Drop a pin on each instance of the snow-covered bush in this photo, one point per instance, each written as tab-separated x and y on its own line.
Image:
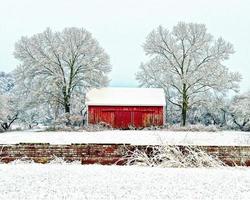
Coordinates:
171	156
102	126
240	112
62	121
76	120
67	122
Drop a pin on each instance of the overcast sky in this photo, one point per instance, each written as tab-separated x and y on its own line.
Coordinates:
121	27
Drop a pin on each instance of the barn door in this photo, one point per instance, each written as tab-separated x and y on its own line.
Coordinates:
137	119
123	119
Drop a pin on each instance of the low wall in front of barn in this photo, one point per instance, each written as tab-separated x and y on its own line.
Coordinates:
105	154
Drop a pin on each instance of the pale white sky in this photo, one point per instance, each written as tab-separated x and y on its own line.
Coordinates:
121	27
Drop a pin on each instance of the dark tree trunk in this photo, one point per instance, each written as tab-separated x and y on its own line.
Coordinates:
224	120
184	114
67	111
184	105
67	108
66	99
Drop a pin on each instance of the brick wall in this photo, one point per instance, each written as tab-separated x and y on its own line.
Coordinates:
104	153
239	155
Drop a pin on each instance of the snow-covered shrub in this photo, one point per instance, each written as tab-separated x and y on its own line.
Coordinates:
67	122
50	128
240	112
171	156
102	126
193	128
62	120
76	120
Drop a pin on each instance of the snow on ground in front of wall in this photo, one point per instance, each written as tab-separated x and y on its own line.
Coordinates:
226	138
74	181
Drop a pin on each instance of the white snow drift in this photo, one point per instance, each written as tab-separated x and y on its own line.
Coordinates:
226	138
62	181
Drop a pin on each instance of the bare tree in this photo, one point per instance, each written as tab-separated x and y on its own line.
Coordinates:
58	66
186	62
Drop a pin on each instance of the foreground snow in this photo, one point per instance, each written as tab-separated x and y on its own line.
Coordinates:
226	138
64	181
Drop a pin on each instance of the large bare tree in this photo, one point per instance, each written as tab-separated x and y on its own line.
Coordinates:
59	66
187	62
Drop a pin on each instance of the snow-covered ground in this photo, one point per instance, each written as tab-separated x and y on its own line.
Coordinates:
74	181
133	137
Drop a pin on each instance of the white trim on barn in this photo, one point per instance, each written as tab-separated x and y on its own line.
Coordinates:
126	97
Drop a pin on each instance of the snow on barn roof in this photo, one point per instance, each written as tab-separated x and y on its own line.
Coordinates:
126	97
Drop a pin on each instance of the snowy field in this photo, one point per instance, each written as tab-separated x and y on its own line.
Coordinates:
74	181
226	138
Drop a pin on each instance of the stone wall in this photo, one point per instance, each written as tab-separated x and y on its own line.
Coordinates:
105	153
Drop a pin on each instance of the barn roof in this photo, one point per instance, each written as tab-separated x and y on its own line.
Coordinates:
126	97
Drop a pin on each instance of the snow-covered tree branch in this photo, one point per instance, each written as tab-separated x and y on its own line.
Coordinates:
186	62
57	67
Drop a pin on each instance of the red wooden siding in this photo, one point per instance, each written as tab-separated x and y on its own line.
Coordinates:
125	116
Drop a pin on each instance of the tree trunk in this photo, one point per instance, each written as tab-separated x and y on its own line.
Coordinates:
184	114
184	105
67	107
224	120
66	99
67	92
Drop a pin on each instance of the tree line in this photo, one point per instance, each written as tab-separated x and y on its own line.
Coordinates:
58	68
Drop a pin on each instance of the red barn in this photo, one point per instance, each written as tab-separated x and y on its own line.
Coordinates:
125	107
